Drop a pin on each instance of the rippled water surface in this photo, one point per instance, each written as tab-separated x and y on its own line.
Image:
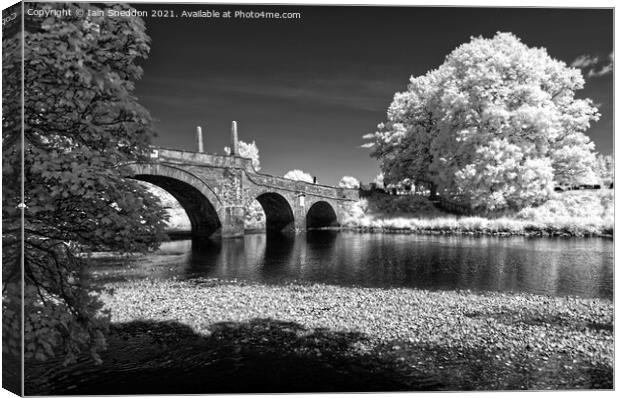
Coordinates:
552	266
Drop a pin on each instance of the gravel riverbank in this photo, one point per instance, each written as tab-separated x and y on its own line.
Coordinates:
440	340
213	336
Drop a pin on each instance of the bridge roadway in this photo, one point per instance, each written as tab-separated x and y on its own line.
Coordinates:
216	190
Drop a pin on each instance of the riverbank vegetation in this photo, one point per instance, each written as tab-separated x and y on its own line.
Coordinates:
571	213
346	339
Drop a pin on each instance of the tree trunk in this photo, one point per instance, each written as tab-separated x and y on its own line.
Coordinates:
433	190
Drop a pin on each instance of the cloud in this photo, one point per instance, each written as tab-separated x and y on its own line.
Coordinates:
605	70
595	66
583	61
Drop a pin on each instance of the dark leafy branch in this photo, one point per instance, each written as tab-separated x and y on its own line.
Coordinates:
81	122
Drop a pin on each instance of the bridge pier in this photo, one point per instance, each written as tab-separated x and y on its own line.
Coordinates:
300	218
232	224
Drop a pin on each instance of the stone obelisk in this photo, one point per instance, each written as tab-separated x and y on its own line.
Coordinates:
234	144
199	137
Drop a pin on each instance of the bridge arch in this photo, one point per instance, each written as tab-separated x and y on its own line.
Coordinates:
278	211
321	214
204	209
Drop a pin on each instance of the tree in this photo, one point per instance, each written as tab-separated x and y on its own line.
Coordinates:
298	175
247	150
255	217
402	144
177	216
379	181
11	214
349	182
605	169
497	124
574	161
81	125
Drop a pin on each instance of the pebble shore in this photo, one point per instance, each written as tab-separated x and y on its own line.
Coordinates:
460	339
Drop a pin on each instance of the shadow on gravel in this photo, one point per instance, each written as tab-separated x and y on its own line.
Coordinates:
271	356
262	355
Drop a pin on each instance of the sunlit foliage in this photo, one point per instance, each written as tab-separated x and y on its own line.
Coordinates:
298	175
349	182
497	125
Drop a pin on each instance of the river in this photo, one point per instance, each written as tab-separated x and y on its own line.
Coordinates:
549	266
159	349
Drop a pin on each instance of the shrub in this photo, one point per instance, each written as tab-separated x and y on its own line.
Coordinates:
383	205
349	182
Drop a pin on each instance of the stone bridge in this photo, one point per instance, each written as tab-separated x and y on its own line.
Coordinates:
216	190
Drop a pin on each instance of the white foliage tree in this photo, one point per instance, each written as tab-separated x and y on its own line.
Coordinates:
298	175
605	169
247	150
349	182
497	124
254	216
379	181
177	217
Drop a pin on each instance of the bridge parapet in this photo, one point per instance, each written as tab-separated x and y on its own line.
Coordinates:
235	162
304	187
200	159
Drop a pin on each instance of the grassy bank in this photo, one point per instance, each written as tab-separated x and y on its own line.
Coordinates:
573	213
331	338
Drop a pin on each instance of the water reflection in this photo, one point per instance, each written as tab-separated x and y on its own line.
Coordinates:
582	267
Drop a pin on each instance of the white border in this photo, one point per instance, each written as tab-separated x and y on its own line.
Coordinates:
454	3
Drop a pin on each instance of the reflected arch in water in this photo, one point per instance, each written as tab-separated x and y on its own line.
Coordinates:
277	257
321	239
278	211
201	205
322	245
321	214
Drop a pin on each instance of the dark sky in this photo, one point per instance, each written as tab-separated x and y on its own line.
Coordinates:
307	89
